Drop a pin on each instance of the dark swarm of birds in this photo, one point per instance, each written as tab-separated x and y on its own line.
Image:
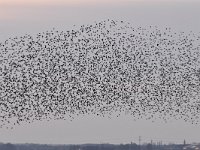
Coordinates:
100	69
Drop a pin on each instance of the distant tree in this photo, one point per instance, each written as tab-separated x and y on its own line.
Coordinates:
9	146
149	147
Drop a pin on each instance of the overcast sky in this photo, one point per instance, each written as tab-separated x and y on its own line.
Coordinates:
21	16
18	17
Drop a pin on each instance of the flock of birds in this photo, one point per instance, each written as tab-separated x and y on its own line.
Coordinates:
103	68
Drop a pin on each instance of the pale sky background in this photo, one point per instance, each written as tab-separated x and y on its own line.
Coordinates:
18	17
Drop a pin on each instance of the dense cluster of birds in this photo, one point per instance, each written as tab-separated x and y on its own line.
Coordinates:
103	68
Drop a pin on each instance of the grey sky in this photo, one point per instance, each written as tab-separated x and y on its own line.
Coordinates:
92	129
22	19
